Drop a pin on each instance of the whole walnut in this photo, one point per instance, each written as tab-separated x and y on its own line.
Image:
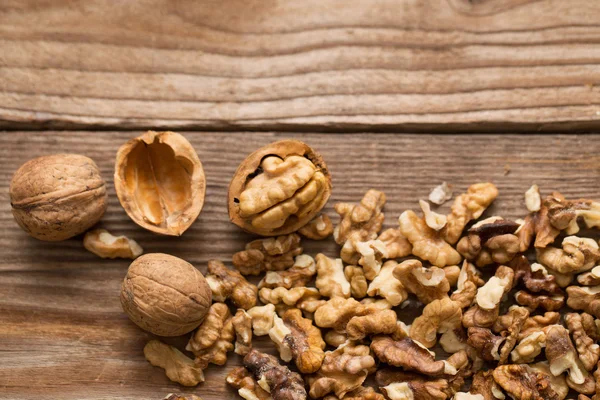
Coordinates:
57	197
165	295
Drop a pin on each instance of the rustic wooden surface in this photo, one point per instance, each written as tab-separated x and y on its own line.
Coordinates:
301	65
63	334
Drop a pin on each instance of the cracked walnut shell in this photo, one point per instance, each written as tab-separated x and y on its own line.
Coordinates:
165	295
57	197
278	189
160	182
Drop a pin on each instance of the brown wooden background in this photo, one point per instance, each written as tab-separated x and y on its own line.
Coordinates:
106	70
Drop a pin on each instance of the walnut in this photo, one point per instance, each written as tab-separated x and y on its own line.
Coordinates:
510	327
172	396
270	254
427	284
590	278
369	255
387	286
584	298
467	396
466	207
278	189
410	355
358	282
336	312
363	393
165	295
304	341
361	222
439	316
562	355
577	255
455	340
275	378
227	284
562	212
529	348
57	197
533	200
562	280
490	241
427	243
214	338
487	301
178	367
298	275
242	326
433	220
557	383
103	244
381	322
397	246
334	338
521	382
536	225
262	319
466	285
537	323
534	301
331	281
588	350
417	389
440	194
452	272
304	298
247	387
318	228
535	277
484	385
343	370
160	182
486	343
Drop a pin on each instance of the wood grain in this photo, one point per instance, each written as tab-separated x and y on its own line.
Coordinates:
63	334
327	65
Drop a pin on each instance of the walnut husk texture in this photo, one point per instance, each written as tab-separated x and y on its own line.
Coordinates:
165	295
57	197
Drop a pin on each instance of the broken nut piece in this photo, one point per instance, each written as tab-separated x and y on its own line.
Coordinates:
577	255
278	189
242	326
387	286
331	280
438	316
440	194
178	367
270	254
275	378
103	244
397	246
227	284
428	284
247	387
433	220
317	229
533	200
160	182
427	243
362	221
298	275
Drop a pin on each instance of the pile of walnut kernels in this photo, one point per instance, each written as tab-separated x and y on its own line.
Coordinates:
524	352
335	320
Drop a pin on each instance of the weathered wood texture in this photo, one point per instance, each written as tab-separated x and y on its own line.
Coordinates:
63	334
313	65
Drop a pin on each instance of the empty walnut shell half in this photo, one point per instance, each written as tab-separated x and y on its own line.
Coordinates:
278	189
160	182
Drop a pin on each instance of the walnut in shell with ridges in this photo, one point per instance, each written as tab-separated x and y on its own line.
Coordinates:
160	182
165	295
57	197
278	189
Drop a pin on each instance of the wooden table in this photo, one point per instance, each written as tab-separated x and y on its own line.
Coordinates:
105	71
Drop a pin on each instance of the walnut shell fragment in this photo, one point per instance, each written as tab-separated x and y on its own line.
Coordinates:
165	295
103	244
57	197
178	367
278	189
160	182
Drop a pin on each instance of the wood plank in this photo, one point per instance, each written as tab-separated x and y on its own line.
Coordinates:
324	65
63	334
